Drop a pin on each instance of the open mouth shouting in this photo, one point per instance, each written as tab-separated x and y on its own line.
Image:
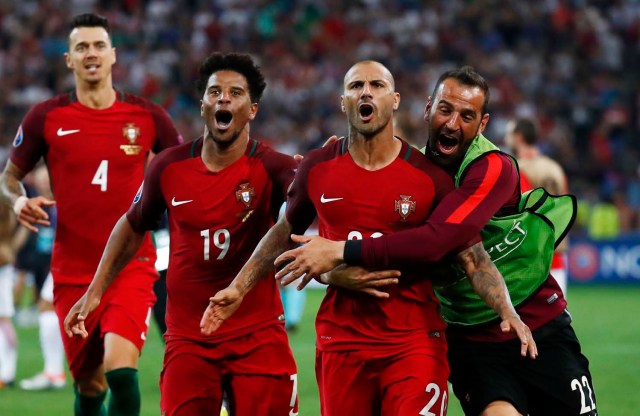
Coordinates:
223	119
366	111
446	144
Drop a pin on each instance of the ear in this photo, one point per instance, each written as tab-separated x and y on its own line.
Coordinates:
201	108
427	108
483	123
113	52
67	60
396	100
344	110
253	111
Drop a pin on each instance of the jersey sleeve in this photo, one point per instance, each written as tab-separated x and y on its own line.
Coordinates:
281	169
29	144
455	224
300	211
166	133
148	207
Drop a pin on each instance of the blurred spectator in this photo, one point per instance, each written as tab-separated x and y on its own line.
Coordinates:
52	376
572	66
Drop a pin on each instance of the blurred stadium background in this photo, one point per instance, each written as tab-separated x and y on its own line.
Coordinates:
571	65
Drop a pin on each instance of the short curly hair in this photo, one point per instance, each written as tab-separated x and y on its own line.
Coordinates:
240	63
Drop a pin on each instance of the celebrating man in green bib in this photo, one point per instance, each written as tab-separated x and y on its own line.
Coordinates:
489	374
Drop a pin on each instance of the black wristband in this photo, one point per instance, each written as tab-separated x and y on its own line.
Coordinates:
352	252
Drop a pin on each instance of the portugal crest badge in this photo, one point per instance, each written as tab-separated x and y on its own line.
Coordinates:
131	133
405	206
245	194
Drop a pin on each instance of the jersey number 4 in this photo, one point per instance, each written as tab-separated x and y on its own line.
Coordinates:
221	239
100	178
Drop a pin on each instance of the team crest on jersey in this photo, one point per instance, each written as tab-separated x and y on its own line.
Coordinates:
131	133
17	141
245	194
405	206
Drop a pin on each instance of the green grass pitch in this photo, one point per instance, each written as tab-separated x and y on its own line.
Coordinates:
605	319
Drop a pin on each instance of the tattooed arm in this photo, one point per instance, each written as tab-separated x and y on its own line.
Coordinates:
226	302
122	246
489	284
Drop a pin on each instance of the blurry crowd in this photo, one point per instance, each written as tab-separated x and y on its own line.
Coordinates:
571	65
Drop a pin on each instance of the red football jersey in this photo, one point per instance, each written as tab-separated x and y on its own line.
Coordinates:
216	220
96	160
352	203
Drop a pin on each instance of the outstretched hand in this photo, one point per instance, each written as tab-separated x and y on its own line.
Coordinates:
29	212
317	255
514	325
74	322
221	306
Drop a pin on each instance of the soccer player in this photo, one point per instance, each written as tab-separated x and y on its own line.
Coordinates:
541	171
52	376
222	193
388	355
8	340
488	374
95	141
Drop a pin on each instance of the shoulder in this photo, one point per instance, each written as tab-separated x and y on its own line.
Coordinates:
328	152
274	162
175	154
418	160
137	100
53	103
262	151
148	105
494	162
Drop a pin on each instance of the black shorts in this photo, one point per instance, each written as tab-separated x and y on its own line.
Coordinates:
556	383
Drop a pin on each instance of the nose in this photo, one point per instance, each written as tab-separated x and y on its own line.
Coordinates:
92	51
366	90
225	96
454	121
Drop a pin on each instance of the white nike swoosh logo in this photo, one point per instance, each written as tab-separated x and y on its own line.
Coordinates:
65	132
175	203
325	200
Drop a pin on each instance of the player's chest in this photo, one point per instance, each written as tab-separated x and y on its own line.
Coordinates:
119	135
233	197
372	200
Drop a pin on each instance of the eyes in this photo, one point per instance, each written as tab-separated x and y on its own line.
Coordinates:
466	115
83	47
356	85
235	92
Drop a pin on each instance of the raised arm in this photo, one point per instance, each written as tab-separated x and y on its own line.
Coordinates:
121	247
489	284
28	211
224	303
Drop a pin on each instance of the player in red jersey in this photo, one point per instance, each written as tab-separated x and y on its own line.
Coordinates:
222	193
521	137
95	141
384	356
487	372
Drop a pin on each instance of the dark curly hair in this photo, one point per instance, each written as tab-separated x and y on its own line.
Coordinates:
238	62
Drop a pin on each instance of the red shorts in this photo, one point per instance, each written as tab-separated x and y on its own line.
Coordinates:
411	382
123	310
257	371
